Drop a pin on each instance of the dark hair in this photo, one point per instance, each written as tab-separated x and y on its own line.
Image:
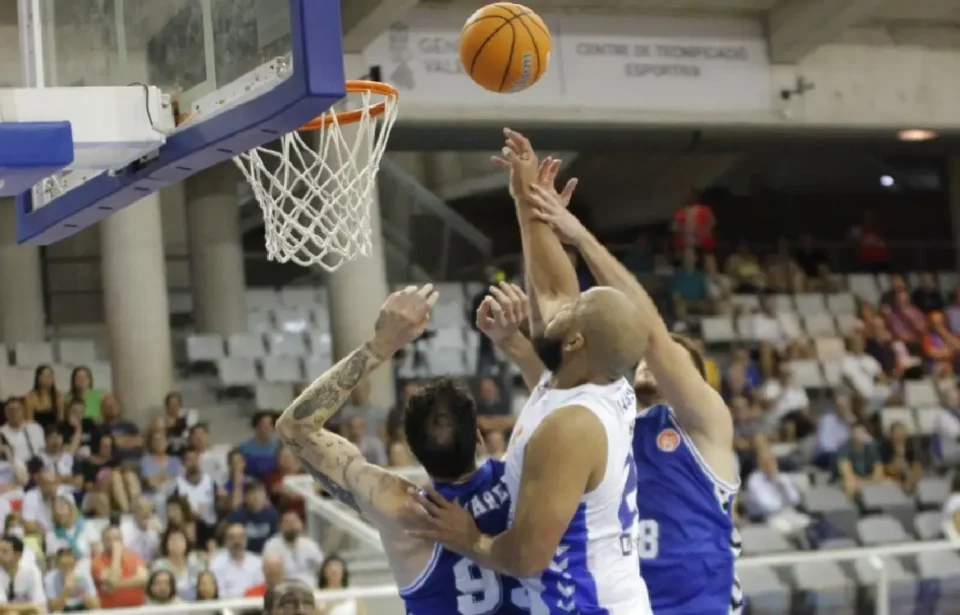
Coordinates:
164	550
14	542
154	576
13	399
259	416
196	426
216	586
36	381
691	348
332	559
74	392
172	395
440	423
252	485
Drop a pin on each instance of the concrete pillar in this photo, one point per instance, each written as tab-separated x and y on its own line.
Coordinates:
136	303
21	284
358	289
953	187
216	251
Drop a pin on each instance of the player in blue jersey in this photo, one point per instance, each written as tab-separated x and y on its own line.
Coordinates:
441	428
687	476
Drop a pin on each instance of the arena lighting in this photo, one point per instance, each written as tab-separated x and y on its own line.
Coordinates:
887	181
916	134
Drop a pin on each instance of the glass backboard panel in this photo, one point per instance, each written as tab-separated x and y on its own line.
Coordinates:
192	47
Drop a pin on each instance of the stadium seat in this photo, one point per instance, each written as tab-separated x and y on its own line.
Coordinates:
783	303
819	324
791	325
932	492
807	373
76	352
829	348
832	372
15	380
315	365
918	393
286	345
447	339
948	281
761	540
747	303
765	592
4	355
832	504
246	346
928	525
282	369
880	530
927	419
237	371
321	344
274	395
259	321
320	316
102	375
941	569
824	588
897	414
717	329
292	319
298	297
864	285
262	299
902	584
842	304
201	348
887	497
32	354
809	304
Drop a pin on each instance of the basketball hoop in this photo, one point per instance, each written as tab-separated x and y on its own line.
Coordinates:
315	186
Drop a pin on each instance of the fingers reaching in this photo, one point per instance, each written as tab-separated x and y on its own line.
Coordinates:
567	193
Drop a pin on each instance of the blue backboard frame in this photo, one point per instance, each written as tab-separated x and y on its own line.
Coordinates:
316	83
30	151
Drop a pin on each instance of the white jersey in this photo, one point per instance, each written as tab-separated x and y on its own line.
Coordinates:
596	568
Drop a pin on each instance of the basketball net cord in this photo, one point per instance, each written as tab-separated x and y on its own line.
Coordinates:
315	187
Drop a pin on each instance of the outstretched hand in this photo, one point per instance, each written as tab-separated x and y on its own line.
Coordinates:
547	207
445	522
547	178
519	157
502	311
403	318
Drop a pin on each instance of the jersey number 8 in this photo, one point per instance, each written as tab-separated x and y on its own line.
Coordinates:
648	543
480	590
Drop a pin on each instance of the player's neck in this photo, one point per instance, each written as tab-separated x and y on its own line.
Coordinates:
566	380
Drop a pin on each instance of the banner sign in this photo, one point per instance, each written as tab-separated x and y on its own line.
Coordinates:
623	62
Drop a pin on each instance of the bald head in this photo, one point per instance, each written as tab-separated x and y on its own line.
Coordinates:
272	569
599	337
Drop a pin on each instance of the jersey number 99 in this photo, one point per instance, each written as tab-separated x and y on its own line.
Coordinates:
480	590
648	543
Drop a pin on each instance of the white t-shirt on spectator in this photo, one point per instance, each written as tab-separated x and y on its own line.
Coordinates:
784	400
201	496
768	328
35	510
26	442
83	589
213	462
144	543
767	497
233	578
86	539
8	476
947	430
862	371
61	465
301	561
27	586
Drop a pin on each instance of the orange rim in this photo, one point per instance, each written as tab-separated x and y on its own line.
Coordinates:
355	86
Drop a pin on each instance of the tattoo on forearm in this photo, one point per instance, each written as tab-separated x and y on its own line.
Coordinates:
331	390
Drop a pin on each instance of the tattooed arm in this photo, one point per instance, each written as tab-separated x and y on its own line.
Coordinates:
332	460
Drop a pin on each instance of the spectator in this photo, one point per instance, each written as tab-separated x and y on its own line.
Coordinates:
300	554
53	457
783	274
897	283
21	583
399	456
71	531
141	534
24	437
258	518
177	422
688	288
78	431
743	267
939	342
102	477
773	497
718	286
81	389
69	587
260	452
13	473
788	405
863	373
237	480
38	502
119	573
43	404
283	497
871	244
946	443
951	510
812	260
693	225
769	332
236	569
748	425
162	588
735	383
335	575
639	259
207	588
202	493
180	517
178	560
834	427
858	461
493	411
128	443
213	462
273	575
927	296
952	313
355	430
900	460
159	470
904	320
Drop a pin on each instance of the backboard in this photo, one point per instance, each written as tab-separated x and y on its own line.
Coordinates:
224	76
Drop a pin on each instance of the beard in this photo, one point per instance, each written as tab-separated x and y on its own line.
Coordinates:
550	352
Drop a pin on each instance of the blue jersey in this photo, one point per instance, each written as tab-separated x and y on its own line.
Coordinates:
688	544
451	584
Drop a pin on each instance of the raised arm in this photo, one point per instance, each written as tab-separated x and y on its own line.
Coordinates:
564	458
499	317
551	273
332	460
699	408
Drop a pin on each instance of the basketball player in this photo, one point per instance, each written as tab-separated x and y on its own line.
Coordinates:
291	597
687	474
441	428
570	469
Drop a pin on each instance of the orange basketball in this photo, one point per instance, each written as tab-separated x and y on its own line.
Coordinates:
505	47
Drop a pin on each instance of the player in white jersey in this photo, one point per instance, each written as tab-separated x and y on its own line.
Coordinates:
570	468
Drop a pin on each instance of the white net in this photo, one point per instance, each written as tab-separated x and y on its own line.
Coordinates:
315	187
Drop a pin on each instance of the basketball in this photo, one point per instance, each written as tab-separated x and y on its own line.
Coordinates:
505	47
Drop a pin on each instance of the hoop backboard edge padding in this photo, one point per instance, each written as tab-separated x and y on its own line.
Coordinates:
26	161
316	83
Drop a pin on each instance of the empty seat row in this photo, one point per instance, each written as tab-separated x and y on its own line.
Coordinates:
747	328
64	351
804	303
312	297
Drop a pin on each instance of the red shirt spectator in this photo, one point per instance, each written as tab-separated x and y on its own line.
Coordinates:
693	226
119	573
871	243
